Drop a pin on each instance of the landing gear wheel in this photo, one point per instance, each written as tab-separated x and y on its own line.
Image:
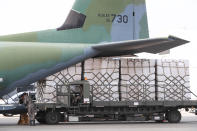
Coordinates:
52	117
174	116
40	117
7	115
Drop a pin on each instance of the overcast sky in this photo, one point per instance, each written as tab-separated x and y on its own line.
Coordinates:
166	17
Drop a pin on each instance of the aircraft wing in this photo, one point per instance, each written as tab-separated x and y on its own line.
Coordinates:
156	45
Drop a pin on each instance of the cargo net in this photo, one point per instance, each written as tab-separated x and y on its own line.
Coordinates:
103	76
47	89
46	93
173	80
137	80
126	79
174	92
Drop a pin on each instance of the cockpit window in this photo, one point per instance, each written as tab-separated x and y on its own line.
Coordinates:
74	20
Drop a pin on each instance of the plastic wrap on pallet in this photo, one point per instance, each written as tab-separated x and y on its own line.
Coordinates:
137	79
173	80
46	93
103	76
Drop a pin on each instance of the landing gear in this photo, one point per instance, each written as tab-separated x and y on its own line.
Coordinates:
7	115
173	116
40	117
52	117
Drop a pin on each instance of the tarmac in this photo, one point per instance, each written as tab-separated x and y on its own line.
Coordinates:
188	123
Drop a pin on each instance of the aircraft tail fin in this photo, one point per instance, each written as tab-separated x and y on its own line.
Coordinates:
111	20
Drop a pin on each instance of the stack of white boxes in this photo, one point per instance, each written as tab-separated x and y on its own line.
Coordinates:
137	79
47	92
103	76
173	80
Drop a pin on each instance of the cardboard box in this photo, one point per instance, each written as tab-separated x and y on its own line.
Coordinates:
137	79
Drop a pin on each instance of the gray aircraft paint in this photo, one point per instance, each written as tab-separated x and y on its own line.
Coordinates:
120	31
140	12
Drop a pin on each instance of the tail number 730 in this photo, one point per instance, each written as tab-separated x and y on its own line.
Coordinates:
120	18
114	18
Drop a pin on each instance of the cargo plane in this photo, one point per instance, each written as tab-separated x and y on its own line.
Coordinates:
93	28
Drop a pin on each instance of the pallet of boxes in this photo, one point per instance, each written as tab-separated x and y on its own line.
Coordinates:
133	79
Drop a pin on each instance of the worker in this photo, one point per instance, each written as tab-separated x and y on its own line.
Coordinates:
24	120
31	109
77	94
